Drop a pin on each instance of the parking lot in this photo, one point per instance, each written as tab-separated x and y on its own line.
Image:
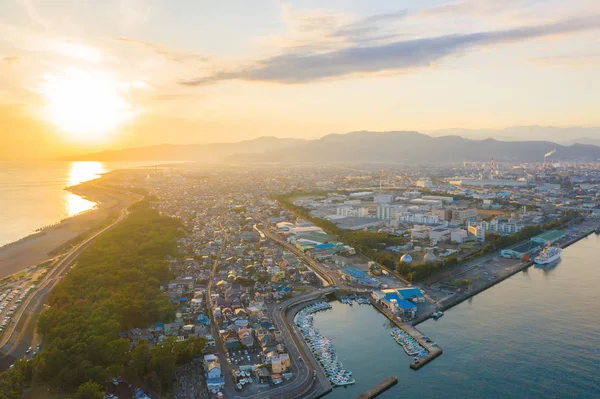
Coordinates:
243	357
10	300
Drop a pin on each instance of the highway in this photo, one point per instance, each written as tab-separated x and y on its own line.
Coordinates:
12	343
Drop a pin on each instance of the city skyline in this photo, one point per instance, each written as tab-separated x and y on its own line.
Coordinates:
85	77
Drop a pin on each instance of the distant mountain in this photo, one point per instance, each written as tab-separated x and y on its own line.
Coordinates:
209	153
357	147
585	140
418	148
562	135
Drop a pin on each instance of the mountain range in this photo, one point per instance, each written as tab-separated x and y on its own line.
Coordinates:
357	147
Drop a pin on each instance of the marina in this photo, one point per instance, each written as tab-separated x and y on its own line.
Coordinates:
322	347
486	357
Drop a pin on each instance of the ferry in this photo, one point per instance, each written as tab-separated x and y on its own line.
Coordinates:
548	255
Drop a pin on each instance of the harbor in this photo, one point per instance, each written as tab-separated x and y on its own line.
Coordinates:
322	347
521	305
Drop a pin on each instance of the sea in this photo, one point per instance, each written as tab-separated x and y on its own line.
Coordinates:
33	195
534	335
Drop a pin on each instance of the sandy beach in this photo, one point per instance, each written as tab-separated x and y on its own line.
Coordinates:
46	244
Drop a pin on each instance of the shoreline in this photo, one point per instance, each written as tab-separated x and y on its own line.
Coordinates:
455	301
49	241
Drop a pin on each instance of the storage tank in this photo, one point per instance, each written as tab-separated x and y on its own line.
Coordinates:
406	258
429	258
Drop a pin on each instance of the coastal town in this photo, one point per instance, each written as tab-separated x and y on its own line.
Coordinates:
249	250
264	249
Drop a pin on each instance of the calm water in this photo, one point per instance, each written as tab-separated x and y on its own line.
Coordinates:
535	335
32	195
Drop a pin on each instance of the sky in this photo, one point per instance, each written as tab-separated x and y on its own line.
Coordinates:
82	76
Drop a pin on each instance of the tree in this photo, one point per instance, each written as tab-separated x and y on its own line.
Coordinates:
89	390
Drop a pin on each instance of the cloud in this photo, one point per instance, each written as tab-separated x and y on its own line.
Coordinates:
164	51
9	60
33	13
571	60
300	67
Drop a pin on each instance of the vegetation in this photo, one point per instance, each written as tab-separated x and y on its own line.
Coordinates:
115	286
15	380
155	365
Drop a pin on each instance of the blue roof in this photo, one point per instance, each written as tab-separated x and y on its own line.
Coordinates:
392	295
404	304
408	293
325	246
356	273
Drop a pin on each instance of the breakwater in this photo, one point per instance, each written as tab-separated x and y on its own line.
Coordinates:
379	388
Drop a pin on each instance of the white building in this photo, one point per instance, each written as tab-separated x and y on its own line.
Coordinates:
349	211
383	198
478	232
499	227
458	235
440	234
418	218
386	212
420	232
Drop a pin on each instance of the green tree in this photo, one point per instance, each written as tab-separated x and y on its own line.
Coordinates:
89	390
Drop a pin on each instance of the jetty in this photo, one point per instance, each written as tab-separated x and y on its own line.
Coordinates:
432	348
379	388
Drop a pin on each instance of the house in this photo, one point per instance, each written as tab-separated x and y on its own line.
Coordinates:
245	337
214	369
230	339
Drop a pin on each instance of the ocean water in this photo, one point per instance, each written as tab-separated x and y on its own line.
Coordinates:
535	335
32	195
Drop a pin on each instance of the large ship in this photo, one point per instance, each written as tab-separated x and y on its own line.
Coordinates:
548	255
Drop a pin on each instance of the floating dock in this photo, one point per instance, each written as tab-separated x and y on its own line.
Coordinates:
379	388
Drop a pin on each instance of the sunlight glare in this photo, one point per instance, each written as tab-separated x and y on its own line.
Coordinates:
84	171
87	105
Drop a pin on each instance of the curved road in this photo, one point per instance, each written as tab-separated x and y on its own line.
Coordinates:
302	386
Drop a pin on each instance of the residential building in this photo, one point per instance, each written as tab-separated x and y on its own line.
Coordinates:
418	218
386	212
496	226
478	232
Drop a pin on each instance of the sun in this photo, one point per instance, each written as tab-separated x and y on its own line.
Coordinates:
88	105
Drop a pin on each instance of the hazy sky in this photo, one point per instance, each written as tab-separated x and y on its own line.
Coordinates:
84	75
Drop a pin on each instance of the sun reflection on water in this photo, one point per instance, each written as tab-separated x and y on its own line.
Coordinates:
81	172
84	171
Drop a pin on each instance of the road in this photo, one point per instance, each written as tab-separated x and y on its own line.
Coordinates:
330	277
302	386
12	342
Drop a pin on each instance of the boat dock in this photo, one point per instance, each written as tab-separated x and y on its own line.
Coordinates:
379	388
432	348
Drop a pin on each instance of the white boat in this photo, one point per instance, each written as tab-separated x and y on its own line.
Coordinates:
548	255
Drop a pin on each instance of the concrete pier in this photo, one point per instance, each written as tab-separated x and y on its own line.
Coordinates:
379	388
434	350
